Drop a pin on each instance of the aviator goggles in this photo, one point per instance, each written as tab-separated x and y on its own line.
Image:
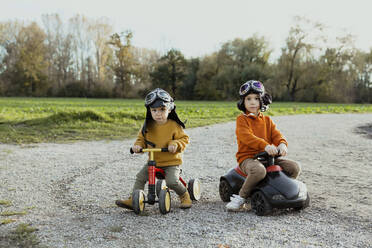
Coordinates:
251	85
157	94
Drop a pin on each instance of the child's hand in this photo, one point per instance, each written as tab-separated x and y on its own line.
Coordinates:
271	150
172	148
283	150
136	148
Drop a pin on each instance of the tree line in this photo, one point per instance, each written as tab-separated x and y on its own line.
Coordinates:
86	58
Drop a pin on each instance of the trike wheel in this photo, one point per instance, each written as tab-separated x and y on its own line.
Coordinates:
164	201
194	189
259	204
225	190
160	184
138	201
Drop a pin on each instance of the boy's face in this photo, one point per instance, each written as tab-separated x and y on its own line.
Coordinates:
252	103
160	114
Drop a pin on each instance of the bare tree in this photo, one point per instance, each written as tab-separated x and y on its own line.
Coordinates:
59	43
295	55
99	32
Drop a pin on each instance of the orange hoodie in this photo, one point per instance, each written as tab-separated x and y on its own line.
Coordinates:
254	134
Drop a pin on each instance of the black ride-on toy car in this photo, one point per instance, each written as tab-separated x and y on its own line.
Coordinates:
276	190
159	188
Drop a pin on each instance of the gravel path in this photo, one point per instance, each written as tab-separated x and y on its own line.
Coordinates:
68	191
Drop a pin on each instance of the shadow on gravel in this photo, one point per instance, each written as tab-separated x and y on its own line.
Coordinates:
364	131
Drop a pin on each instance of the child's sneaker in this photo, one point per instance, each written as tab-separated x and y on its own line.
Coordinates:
235	202
125	203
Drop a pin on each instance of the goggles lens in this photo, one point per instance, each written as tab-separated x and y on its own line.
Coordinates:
244	88
255	85
150	98
164	96
155	94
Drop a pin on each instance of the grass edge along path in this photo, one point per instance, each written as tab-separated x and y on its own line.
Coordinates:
58	120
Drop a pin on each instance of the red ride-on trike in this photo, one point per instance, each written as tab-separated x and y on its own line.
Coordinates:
159	189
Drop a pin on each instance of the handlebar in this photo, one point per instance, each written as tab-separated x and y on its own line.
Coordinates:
150	150
266	155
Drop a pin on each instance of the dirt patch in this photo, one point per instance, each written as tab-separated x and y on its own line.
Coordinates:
365	130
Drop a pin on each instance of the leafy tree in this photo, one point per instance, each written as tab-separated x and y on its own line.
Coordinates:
330	77
170	72
124	64
239	61
26	63
8	53
82	58
146	61
187	90
362	65
206	88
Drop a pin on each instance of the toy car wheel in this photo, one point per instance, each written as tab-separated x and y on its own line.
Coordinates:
164	201
160	184
305	205
259	204
194	189
138	201
225	190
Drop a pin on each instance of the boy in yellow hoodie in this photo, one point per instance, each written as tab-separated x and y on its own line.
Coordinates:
162	128
256	133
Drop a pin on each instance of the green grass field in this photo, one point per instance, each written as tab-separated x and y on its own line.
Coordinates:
34	120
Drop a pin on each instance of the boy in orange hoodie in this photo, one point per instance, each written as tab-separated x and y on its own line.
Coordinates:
257	133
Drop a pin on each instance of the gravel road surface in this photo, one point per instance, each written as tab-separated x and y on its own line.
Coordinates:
68	191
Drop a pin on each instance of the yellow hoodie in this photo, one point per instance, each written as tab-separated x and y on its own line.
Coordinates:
170	133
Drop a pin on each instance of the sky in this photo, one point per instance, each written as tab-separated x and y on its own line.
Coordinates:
199	27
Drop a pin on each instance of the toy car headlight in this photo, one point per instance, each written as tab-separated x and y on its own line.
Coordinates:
278	197
303	190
